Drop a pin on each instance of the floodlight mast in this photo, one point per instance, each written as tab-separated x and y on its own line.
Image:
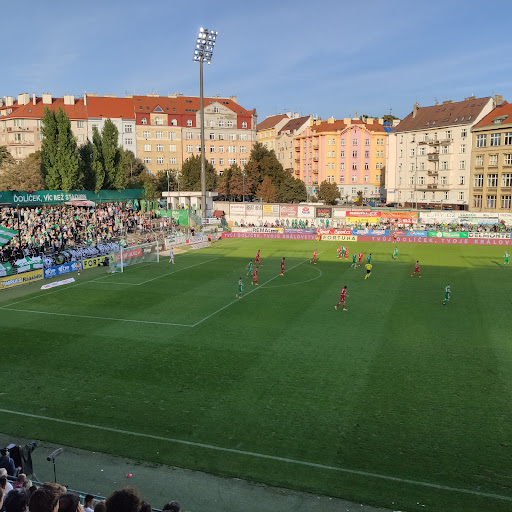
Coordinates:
203	53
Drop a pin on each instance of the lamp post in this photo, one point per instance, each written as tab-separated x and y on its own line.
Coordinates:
243	187
203	53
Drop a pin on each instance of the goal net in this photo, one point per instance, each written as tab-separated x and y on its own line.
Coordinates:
128	256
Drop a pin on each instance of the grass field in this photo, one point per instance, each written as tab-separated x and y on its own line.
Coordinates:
399	402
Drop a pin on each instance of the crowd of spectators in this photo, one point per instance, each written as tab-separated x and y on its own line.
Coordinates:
51	229
22	496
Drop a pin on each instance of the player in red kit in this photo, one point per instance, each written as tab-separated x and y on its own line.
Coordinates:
346	253
314	257
339	253
257	259
417	269
360	259
255	276
343	296
282	267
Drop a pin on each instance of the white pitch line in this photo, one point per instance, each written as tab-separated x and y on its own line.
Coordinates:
300	282
264	456
176	271
52	313
248	293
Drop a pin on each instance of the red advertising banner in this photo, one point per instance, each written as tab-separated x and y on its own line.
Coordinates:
335	231
433	240
363	213
399	215
289	211
279	236
130	253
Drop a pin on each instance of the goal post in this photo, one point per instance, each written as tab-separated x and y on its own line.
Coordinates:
128	256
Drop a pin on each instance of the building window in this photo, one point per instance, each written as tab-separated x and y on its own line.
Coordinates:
367	142
421	180
160	147
172	160
463	148
507	139
507	159
221	125
243	161
448	134
477	201
342	142
172	148
144	121
243	149
79	124
221	161
422	166
232	136
159	135
342	166
146	134
444	180
462	180
215	110
411	180
354	154
463	132
221	149
479	180
342	179
461	196
342	154
492	180
491	201
445	195
188	135
189	122
354	178
190	148
479	160
160	160
505	202
445	150
481	141
229	124
198	148
367	165
172	135
413	152
159	121
495	139
231	161
422	151
212	161
147	160
493	160
212	149
366	178
354	167
462	164
506	180
128	142
147	147
444	165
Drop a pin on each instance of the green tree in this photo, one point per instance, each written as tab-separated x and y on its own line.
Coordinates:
113	157
224	184
98	168
266	190
291	190
5	155
85	169
67	153
150	189
359	200
388	118
242	183
328	192
190	175
49	149
161	180
133	166
25	175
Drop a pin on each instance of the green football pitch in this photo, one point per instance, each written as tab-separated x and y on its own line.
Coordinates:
399	402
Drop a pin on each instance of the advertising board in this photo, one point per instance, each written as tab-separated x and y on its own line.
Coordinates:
270	210
306	212
278	236
253	209
94	262
237	209
323	213
19	279
339	238
289	211
58	270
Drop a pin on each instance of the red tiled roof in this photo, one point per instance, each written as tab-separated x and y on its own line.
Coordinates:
448	114
31	111
110	107
270	122
183	104
503	111
294	124
339	126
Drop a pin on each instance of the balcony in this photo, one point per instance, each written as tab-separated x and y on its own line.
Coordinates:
422	142
315	145
315	182
433	157
433	142
22	142
432	173
445	142
315	158
432	186
297	147
297	159
315	170
297	171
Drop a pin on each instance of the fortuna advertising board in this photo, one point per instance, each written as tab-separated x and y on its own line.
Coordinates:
94	262
340	238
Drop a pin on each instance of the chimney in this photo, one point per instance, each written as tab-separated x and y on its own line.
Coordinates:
34	99
331	120
296	115
498	99
23	99
446	102
470	98
415	109
47	98
129	96
69	100
233	99
347	121
9	101
1	103
85	99
289	114
369	120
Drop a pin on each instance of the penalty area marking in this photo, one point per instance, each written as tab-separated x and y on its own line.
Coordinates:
263	456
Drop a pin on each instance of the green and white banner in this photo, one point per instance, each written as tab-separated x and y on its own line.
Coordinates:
5	269
6	235
26	264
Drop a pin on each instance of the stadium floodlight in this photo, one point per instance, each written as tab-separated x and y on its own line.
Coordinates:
205	43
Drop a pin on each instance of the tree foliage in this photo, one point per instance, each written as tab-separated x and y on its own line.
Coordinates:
67	154
49	167
25	175
5	155
328	192
190	175
266	190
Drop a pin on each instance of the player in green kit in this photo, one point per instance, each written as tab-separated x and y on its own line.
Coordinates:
240	289
447	292
249	269
354	260
395	252
506	259
370	258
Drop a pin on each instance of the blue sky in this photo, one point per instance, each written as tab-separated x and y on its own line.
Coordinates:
326	58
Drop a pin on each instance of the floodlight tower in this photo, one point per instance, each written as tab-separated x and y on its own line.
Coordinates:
203	53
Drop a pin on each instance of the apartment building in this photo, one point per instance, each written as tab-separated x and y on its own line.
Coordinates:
348	152
168	131
268	129
285	140
429	154
20	121
491	162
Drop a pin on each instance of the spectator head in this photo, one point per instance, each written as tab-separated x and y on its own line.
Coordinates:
3	472
27	484
88	500
17	501
32	489
68	502
46	498
20	480
145	507
100	506
124	500
172	506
